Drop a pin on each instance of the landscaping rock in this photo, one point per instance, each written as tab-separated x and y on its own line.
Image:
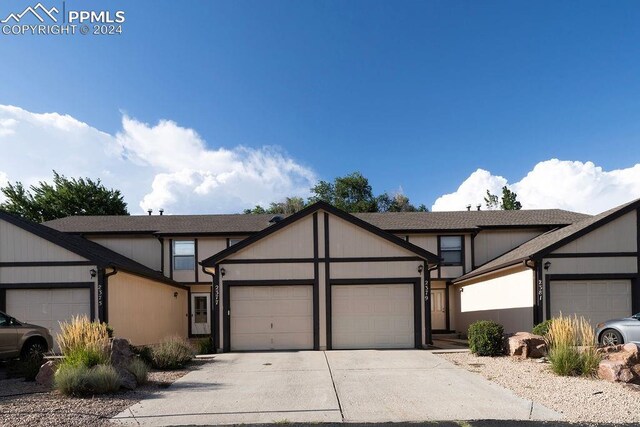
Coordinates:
46	374
121	357
526	345
621	363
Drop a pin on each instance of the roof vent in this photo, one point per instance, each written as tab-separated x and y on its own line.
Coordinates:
275	219
161	211
150	211
478	207
468	207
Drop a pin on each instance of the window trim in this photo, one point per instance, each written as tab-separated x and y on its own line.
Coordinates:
461	250
176	256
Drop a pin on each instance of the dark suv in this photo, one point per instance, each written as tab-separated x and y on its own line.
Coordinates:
19	339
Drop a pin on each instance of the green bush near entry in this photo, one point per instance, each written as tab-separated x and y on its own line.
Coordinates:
486	338
542	328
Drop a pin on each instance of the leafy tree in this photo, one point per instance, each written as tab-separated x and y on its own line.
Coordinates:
508	202
65	197
351	193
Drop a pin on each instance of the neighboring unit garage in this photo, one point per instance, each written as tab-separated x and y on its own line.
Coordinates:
590	268
320	279
49	307
596	300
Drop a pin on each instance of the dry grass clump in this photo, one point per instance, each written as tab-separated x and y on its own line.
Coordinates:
82	334
572	346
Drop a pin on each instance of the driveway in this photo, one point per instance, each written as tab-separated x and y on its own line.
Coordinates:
332	386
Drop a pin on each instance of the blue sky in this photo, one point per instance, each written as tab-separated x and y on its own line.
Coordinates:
416	95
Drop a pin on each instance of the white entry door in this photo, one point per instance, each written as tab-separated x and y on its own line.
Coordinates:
372	316
438	309
200	314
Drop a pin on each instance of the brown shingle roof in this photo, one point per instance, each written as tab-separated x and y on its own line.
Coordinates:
544	243
248	224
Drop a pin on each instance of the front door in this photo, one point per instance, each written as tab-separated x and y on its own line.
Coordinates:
200	314
438	310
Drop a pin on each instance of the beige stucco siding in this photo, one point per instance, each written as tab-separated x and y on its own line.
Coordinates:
425	241
145	311
33	274
348	240
144	249
209	246
591	265
345	270
295	241
489	244
17	244
268	271
618	235
505	297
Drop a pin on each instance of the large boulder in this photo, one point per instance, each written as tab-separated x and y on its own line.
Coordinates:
46	374
121	357
620	363
526	345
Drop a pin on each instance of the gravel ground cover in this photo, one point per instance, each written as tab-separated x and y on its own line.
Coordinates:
26	403
579	399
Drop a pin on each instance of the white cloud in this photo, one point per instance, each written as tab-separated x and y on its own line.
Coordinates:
571	185
155	166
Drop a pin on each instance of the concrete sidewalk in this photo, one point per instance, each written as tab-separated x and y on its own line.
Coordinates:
330	387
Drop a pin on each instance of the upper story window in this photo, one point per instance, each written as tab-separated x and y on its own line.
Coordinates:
184	255
451	250
234	241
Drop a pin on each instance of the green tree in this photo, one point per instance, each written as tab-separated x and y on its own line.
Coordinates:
508	202
287	206
397	203
44	202
351	193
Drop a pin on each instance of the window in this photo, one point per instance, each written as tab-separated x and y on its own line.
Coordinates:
234	241
4	320
451	250
184	255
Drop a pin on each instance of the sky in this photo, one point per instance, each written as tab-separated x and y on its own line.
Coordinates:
214	107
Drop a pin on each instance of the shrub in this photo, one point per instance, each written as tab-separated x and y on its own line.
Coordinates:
542	328
172	353
82	334
80	380
140	370
205	346
572	346
144	353
88	357
485	338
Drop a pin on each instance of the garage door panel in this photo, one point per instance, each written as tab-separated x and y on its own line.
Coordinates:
595	300
372	316
271	317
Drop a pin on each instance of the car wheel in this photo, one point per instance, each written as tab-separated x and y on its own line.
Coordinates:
611	337
33	348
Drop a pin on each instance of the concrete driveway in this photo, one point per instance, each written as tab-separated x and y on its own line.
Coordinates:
332	386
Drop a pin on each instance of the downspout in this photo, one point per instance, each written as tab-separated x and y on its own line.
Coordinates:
537	289
212	311
103	292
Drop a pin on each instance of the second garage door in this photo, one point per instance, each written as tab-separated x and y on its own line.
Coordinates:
596	300
372	316
271	317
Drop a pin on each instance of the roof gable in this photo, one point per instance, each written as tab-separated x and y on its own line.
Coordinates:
211	261
540	246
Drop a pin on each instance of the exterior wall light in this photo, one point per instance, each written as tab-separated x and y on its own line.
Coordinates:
223	272
93	272
175	294
547	265
420	268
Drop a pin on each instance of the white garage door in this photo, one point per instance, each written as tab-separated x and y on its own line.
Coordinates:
596	300
47	307
372	316
271	317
